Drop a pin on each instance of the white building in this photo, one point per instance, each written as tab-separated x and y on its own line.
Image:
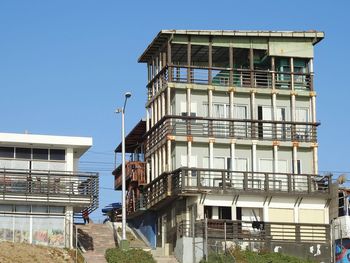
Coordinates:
41	188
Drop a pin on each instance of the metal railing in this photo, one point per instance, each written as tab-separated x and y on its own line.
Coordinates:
237	77
231	128
193	180
51	185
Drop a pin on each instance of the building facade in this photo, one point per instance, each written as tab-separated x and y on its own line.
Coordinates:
230	135
41	188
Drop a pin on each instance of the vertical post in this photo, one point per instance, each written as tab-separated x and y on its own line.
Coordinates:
206	238
273	75
168	101
123	178
193	235
311	72
291	73
315	158
76	244
251	67
210	60
231	66
189	60
170	69
169	155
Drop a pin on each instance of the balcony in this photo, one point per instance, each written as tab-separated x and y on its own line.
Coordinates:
134	172
231	128
74	188
185	181
234	77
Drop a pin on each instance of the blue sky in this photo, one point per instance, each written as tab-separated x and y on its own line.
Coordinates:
65	65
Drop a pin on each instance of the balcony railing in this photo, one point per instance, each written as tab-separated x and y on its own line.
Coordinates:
189	181
237	77
54	186
231	128
134	171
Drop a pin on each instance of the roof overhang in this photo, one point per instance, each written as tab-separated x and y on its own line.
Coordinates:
134	138
79	144
164	35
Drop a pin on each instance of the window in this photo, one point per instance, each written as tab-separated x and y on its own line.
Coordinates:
23	153
298	168
57	155
7	152
40	154
225	212
208	212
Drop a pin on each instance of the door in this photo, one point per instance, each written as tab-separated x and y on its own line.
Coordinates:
241	168
164	230
301	131
240	127
282	128
264	129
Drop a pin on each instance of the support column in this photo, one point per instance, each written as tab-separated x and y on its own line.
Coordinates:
152	114
170	70
147	119
313	106
156	171
295	157
69	226
189	60
231	103
254	161
169	155
148	175
311	71
152	167
163	105
159	153
233	154
210	61
273	76
159	108
211	153
293	110
291	73
210	103
315	158
189	153
188	100
70	159
253	107
164	166
275	157
168	101
155	111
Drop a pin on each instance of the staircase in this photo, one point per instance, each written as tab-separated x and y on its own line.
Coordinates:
158	255
95	239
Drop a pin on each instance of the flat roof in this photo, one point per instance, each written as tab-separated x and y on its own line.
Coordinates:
79	144
164	35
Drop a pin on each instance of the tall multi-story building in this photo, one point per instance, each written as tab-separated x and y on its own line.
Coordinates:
41	188
230	134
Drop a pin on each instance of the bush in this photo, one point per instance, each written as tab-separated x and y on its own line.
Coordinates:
116	255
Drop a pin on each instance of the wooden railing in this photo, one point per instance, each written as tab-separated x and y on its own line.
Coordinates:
52	186
134	171
231	128
237	77
193	180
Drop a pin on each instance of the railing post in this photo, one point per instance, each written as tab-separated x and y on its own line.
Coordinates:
297	233
183	179
223	179
289	178
309	190
245	181
198	173
267	182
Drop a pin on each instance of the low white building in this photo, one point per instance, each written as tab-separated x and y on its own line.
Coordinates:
41	188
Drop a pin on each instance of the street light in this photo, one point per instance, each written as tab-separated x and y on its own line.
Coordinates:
122	111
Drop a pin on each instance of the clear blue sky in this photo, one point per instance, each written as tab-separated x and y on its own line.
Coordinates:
64	65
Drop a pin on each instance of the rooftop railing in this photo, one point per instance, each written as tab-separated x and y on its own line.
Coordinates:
236	77
54	186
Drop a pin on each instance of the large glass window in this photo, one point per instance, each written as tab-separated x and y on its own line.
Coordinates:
7	152
57	155
41	154
23	153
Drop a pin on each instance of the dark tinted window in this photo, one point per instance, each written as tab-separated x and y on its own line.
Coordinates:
24	153
58	155
7	152
41	154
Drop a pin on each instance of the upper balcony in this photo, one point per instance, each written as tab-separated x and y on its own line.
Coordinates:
233	77
231	128
134	172
57	187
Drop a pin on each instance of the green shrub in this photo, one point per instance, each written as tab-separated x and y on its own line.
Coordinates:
116	255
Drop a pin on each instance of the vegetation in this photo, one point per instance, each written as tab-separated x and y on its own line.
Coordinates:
248	256
114	255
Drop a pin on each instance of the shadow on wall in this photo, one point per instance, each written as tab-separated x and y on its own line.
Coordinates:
146	224
85	240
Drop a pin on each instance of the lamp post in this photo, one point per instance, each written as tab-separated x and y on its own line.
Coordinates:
124	244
